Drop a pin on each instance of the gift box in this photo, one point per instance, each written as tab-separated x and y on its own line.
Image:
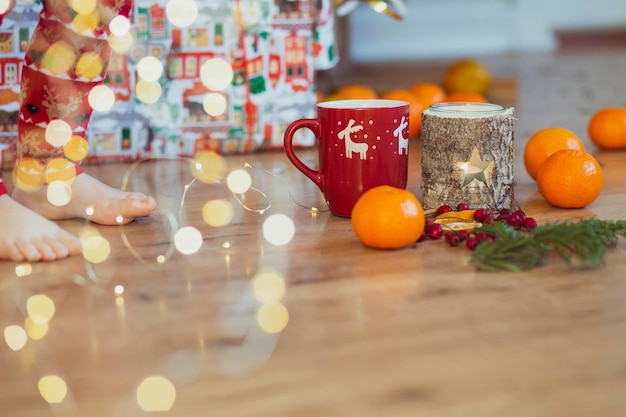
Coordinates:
273	49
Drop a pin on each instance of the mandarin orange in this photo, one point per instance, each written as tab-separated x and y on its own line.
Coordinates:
387	217
607	128
355	92
428	93
570	178
467	76
415	109
544	143
466	98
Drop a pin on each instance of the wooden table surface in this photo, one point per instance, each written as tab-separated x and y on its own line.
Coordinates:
411	332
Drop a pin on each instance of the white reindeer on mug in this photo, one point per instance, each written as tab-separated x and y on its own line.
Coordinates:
403	143
358	147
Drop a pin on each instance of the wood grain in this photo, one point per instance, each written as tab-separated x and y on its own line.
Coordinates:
373	333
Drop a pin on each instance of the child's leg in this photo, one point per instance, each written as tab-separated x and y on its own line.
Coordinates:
27	236
66	58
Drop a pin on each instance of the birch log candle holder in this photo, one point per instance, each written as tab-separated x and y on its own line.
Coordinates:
467	155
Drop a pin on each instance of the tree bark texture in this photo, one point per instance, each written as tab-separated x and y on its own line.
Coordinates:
468	159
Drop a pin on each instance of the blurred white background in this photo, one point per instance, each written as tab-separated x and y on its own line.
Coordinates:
448	28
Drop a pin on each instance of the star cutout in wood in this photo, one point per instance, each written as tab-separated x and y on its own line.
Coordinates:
476	169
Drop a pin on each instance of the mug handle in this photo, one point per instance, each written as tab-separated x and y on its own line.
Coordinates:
314	126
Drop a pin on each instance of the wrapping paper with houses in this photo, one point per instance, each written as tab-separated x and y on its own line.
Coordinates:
274	47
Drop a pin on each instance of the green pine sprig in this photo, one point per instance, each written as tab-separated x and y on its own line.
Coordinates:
586	241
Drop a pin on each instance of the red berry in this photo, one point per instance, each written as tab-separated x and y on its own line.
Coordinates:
480	215
453	239
434	231
422	237
463	234
471	243
444	209
514	220
462	206
530	222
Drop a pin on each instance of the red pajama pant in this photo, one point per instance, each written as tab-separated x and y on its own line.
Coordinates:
67	56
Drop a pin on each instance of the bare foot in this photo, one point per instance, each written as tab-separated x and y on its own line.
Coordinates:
27	236
92	200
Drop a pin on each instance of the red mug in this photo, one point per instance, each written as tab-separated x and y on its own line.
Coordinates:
361	144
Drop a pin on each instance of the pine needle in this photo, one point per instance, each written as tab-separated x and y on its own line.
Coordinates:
585	241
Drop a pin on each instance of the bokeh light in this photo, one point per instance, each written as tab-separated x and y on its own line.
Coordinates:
119	25
218	212
59	193
239	181
216	74
52	388
148	91
181	13
15	337
58	58
101	98
188	240
83	6
76	149
209	167
4	6
60	169
273	317
214	104
96	249
89	66
29	174
58	132
278	229
156	393
268	286
149	68
23	270
36	331
40	308
121	43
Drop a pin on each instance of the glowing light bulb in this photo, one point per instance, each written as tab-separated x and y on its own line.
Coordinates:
150	68
58	132
181	13
216	74
239	181
278	229
119	26
101	98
